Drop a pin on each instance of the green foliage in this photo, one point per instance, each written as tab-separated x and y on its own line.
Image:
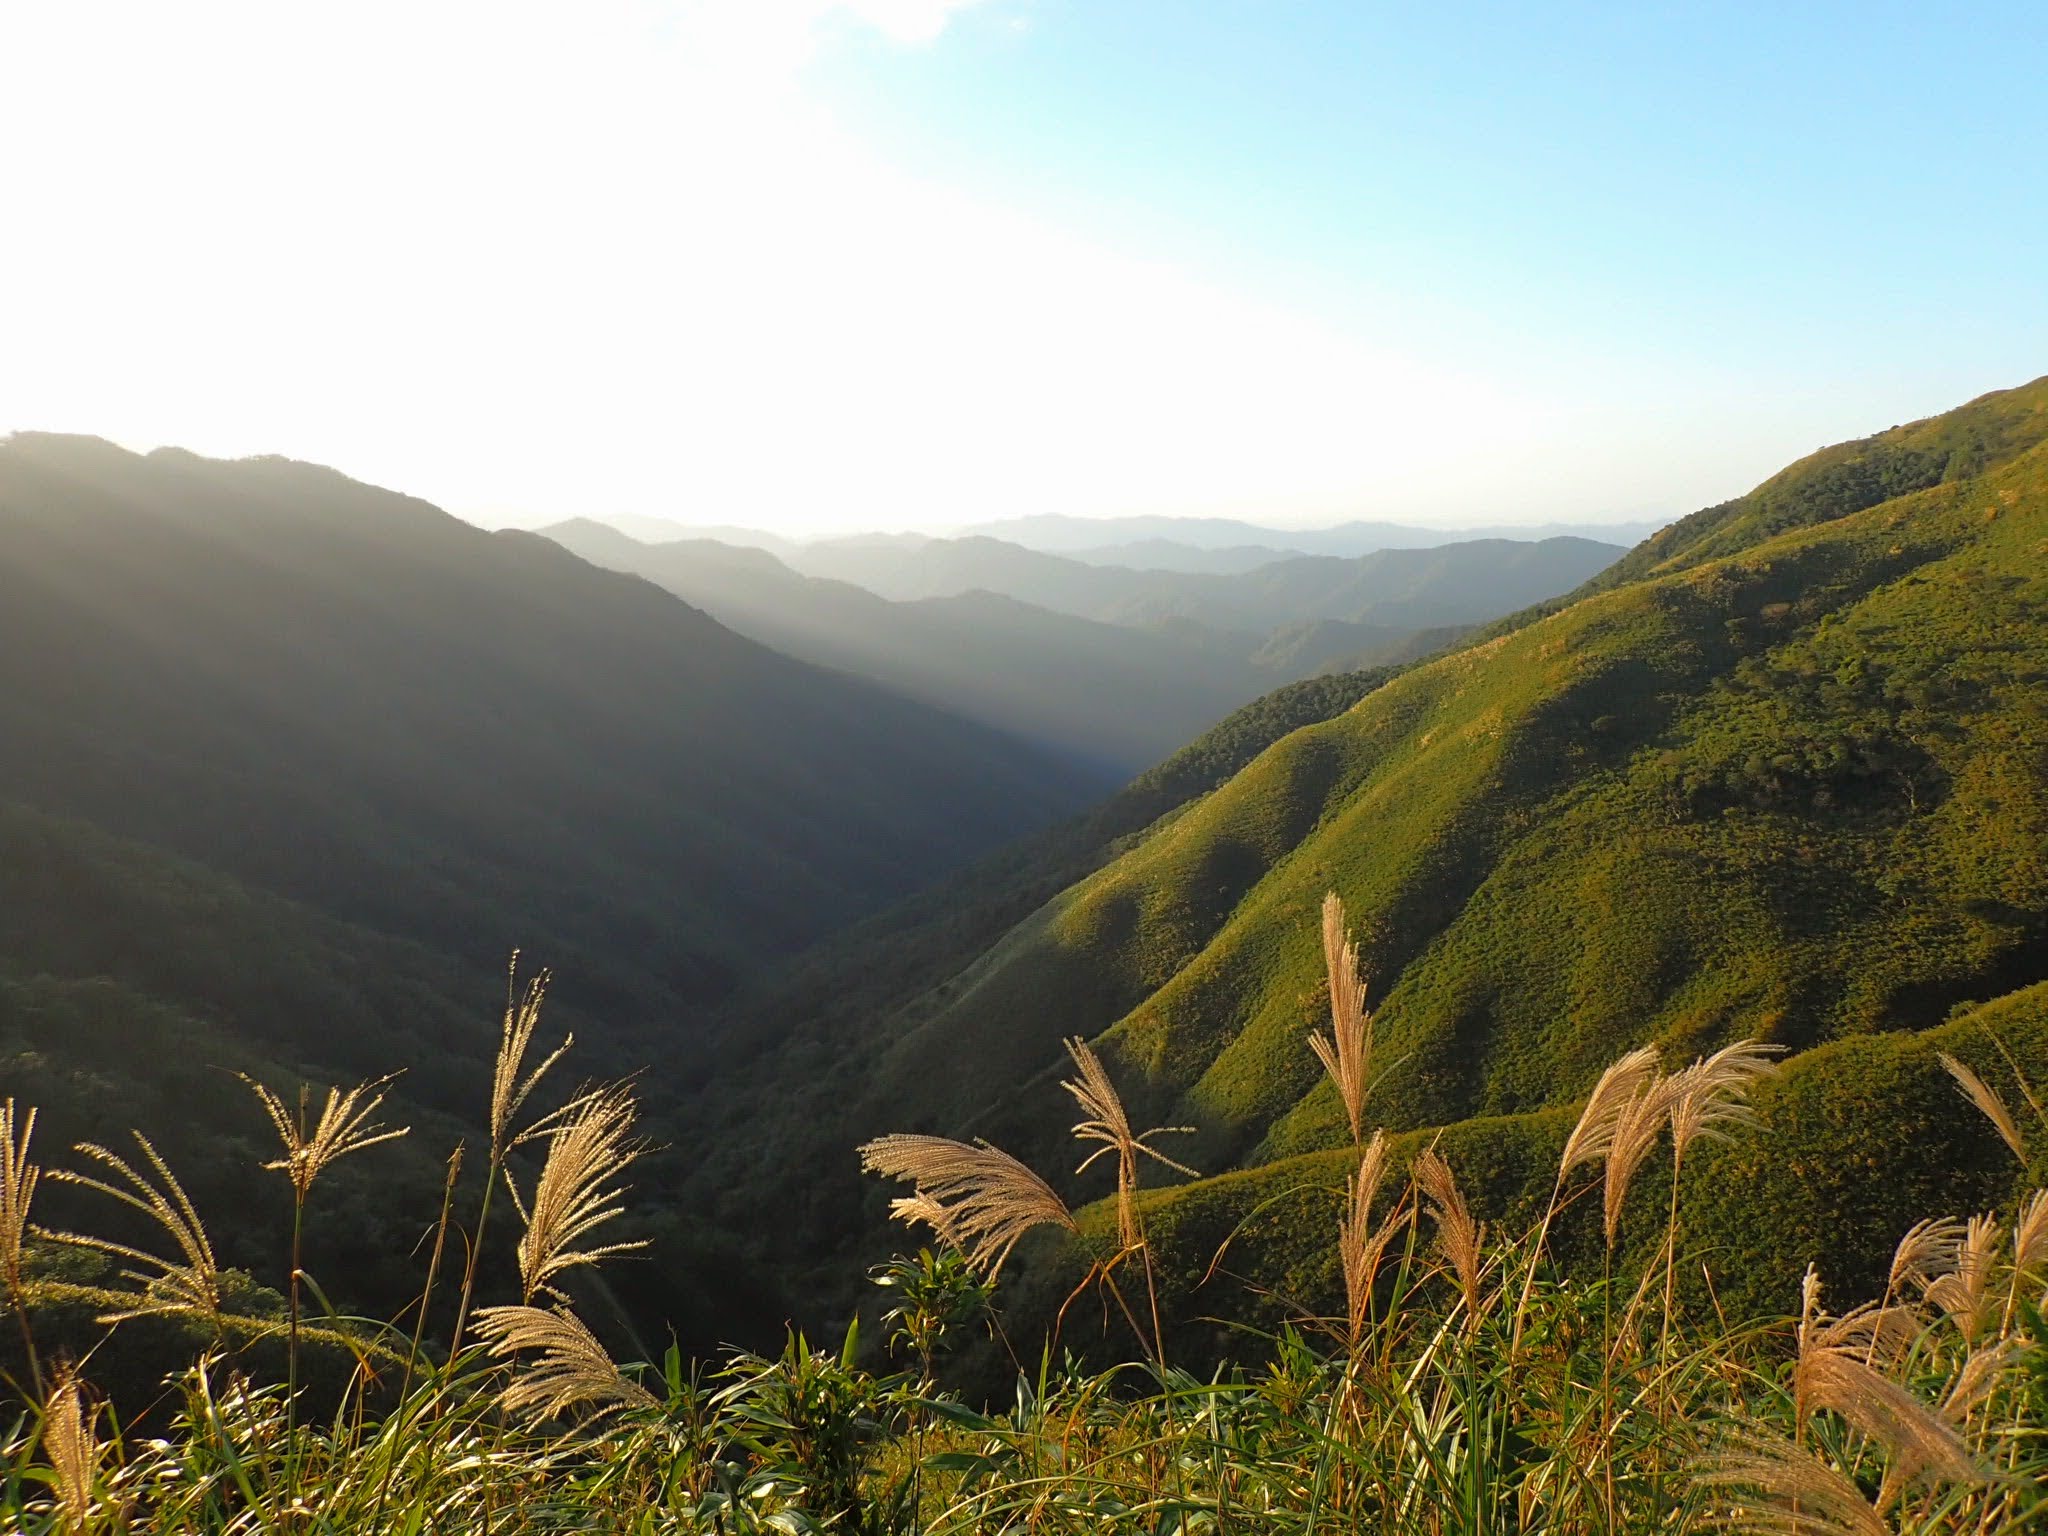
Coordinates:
1789	779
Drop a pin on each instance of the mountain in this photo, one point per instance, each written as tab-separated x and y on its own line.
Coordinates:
1784	774
1124	694
292	762
1166	555
1461	583
1098	692
1058	533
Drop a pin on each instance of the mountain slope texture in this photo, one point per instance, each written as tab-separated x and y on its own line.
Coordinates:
1783	774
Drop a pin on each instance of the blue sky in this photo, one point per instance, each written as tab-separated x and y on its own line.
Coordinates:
827	264
1844	195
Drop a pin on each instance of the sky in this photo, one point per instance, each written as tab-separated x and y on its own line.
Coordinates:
818	267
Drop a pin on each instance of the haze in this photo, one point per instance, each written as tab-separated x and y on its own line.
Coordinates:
918	263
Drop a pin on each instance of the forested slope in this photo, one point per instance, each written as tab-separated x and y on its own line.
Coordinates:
291	763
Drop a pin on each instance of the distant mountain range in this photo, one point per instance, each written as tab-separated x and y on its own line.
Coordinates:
1106	538
1781	772
1201	545
292	763
1106	663
1444	584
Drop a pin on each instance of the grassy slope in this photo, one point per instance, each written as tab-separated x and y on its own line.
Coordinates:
1789	782
797	1089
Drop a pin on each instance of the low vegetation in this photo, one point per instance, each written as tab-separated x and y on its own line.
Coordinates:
1459	1376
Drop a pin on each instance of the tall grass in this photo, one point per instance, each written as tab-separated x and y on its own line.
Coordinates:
1468	1384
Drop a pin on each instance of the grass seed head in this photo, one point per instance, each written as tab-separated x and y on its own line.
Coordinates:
590	1143
1460	1237
1346	1052
974	1196
1105	1121
71	1442
563	1369
1988	1102
1618	1085
189	1284
18	1179
344	1126
509	1089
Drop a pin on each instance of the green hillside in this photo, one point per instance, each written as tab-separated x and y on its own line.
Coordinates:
1790	781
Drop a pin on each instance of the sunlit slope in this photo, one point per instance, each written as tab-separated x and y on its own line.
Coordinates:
1796	790
1844	479
1857	1139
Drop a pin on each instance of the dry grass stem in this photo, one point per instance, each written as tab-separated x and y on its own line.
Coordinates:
568	1371
1346	1052
167	1285
1617	1088
1711	1097
975	1196
1834	1372
1964	1293
1926	1252
509	1090
1637	1123
589	1145
1770	1487
72	1445
18	1178
2030	1235
1105	1121
1974	1383
1985	1097
1461	1238
343	1127
1360	1246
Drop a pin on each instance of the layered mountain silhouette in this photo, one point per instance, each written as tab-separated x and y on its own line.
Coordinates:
1451	583
293	762
1002	634
1781	773
1094	538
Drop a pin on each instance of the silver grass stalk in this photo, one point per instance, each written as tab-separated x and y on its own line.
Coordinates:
1104	1120
509	1089
1618	1086
1993	1108
563	1368
1461	1239
1638	1122
1711	1097
1346	1052
974	1196
1361	1245
167	1285
590	1144
1924	1254
1767	1486
71	1442
344	1126
1964	1293
1833	1372
18	1178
